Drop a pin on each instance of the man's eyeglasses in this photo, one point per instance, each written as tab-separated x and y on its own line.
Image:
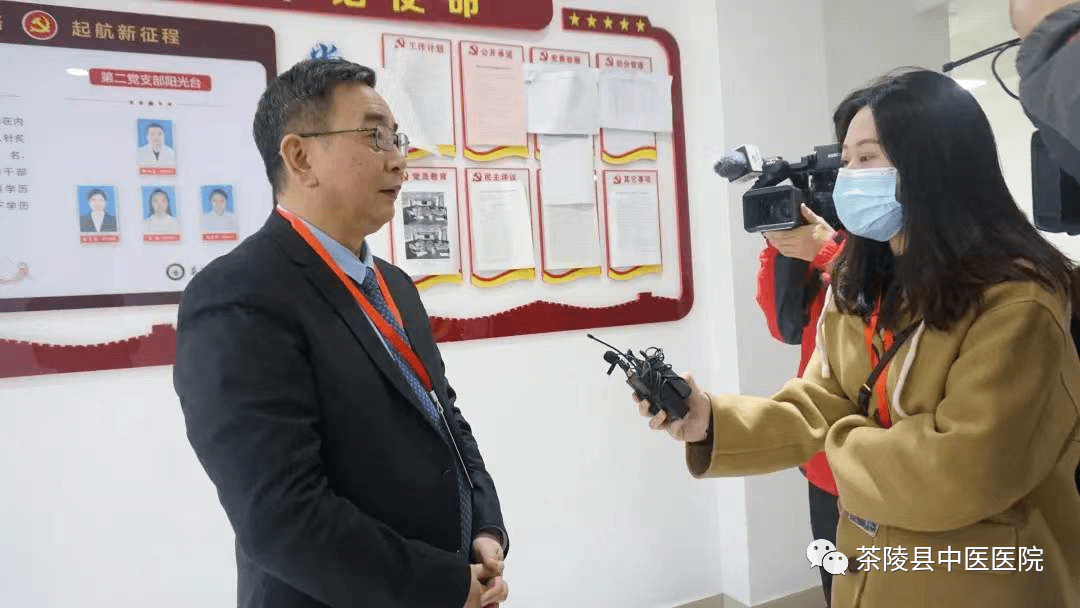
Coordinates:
385	139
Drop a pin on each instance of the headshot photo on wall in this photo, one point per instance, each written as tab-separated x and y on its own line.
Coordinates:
160	219
218	209
97	209
156	152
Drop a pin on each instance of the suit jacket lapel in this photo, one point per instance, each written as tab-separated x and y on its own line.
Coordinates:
325	281
417	325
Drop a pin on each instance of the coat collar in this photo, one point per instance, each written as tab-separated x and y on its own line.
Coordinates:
330	288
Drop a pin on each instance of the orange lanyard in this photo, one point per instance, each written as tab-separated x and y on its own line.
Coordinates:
390	335
879	385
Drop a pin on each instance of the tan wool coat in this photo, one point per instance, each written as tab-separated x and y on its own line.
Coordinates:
978	465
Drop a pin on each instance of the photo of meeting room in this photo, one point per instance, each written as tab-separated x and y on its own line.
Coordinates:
96	207
426	227
156	151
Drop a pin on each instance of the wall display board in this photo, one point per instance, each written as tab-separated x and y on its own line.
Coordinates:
158	174
126	161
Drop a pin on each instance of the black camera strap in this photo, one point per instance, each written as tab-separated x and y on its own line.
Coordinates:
867	389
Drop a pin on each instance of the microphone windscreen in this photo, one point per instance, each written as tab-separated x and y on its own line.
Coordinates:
732	165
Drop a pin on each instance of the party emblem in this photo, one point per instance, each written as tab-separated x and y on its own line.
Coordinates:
40	25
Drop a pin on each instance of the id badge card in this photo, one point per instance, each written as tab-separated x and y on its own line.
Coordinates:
867	526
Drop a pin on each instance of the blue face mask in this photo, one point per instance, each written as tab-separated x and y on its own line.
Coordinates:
866	202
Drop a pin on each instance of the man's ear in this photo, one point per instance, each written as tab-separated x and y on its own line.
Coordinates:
294	155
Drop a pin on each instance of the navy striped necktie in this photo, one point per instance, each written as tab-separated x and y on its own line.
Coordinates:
370	288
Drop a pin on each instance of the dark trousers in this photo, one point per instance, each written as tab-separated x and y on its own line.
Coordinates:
824	518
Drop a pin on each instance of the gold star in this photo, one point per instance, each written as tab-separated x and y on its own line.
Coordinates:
625	24
641	25
591	20
574	19
607	23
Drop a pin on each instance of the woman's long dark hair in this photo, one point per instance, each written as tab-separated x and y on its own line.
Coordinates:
963	231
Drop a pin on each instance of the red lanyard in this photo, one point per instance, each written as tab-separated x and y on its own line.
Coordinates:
879	385
391	336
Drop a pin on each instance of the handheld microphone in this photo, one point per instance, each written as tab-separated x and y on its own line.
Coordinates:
651	379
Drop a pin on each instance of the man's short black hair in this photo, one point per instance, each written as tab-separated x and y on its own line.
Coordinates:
298	100
154	124
96	191
218	191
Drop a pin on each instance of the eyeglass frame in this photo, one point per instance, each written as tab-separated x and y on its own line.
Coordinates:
401	140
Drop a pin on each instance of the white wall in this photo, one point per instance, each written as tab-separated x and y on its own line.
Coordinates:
866	38
105	505
772	59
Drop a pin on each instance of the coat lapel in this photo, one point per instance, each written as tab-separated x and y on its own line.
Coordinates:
327	284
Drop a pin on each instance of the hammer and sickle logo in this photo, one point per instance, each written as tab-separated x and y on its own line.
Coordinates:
39	25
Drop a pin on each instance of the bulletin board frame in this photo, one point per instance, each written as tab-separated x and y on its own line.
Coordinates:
543	316
539	316
46	25
196	38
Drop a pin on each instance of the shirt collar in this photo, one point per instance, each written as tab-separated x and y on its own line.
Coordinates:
354	266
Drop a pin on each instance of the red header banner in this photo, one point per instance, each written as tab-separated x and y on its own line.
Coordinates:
513	14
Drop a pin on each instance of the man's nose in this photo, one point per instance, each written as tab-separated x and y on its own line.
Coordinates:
395	161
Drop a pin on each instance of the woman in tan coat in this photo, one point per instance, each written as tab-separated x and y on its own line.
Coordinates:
955	464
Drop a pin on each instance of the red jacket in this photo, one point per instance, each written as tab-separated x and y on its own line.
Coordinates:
816	469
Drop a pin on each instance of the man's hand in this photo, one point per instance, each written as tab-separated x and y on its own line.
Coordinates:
804	242
487	549
1026	14
485	595
691	427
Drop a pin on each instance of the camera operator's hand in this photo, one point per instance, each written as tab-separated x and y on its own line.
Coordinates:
694	426
1026	14
804	242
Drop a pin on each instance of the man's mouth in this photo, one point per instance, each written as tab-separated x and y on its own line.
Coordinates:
391	191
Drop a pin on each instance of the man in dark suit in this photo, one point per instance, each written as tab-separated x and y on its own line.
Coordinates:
97	220
312	388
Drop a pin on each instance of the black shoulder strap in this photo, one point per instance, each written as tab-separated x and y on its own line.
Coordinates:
867	388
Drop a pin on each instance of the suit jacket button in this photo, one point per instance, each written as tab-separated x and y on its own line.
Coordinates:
447	473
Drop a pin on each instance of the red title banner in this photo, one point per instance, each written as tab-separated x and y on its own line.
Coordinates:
513	14
150	80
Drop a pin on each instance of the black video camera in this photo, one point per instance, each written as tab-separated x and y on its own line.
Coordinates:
1055	190
769	206
651	378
